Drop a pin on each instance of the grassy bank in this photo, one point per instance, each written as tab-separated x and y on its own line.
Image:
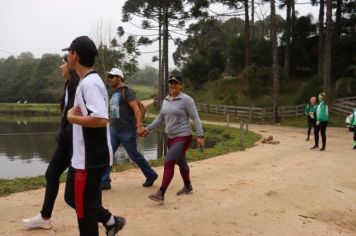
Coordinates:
30	109
226	140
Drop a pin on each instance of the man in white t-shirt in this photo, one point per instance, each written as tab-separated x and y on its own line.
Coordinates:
92	152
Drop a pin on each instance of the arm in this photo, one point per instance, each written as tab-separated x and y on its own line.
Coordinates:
74	116
156	122
138	116
193	113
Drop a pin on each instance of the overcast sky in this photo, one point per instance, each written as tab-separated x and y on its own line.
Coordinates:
47	26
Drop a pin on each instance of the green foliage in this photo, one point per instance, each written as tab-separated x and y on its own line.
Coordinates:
35	80
256	81
309	89
345	87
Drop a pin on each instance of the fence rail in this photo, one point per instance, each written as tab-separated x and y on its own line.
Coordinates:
343	106
340	106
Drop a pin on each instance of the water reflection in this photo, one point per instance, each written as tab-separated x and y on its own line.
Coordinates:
26	146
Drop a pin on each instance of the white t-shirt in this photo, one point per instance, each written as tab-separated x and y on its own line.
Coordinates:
91	146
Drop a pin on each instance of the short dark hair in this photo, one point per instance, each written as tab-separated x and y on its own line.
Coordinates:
85	48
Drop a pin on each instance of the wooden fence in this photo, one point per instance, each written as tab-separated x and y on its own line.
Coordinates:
343	106
251	112
340	106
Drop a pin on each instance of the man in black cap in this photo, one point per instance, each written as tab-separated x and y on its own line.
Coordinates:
92	152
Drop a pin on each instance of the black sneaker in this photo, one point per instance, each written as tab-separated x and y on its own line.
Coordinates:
307	139
116	227
185	190
322	149
149	181
157	196
354	147
105	186
315	147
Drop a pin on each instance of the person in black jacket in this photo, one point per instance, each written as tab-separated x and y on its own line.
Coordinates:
62	155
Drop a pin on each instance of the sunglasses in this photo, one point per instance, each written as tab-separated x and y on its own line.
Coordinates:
111	76
173	82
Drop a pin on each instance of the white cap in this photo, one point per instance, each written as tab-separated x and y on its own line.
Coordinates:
116	71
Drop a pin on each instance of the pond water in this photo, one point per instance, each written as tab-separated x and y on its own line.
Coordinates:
27	144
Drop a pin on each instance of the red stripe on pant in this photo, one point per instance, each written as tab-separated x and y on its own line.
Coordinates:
80	180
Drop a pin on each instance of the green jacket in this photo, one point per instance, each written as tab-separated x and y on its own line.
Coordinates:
353	118
309	109
322	112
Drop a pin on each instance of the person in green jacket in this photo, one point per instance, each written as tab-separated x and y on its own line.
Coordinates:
353	123
310	112
322	119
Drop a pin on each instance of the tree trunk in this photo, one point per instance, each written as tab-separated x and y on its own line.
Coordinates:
165	49
293	34
338	18
327	58
252	20
288	34
160	62
321	38
274	61
247	36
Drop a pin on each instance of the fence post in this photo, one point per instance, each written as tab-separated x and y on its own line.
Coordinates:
246	130
207	106
241	135
228	120
296	111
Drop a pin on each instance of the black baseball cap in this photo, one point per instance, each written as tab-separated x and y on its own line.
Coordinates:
83	45
176	78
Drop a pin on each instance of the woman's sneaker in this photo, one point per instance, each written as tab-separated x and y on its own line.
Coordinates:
185	190
37	222
116	227
157	196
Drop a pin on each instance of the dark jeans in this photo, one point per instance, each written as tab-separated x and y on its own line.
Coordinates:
128	139
59	163
84	195
311	124
355	133
322	128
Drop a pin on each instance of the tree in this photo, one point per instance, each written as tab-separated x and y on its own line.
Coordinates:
327	56
115	51
167	14
274	61
321	43
288	28
238	5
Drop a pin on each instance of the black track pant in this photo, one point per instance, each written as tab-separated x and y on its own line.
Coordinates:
58	164
311	124
322	128
84	195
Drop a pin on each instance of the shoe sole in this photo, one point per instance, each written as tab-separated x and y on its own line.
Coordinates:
36	226
119	229
185	193
155	199
150	185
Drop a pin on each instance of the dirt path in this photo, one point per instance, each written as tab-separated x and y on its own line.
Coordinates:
283	189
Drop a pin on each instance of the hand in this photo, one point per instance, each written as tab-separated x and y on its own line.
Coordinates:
140	131
201	142
318	123
75	111
144	132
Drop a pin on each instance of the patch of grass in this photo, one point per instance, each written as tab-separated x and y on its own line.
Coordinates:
9	186
143	92
30	108
226	139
